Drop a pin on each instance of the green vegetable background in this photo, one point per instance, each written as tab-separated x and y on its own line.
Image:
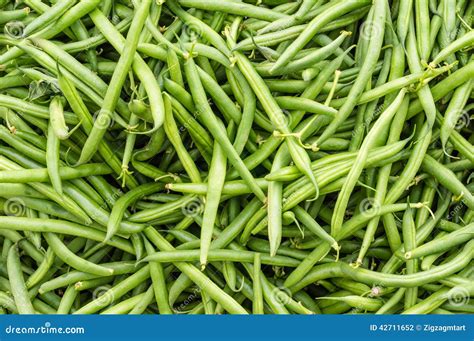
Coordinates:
236	157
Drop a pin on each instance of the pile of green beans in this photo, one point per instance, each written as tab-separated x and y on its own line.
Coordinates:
236	157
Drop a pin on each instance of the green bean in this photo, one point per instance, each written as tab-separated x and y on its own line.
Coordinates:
12	119
422	28
393	301
17	283
89	83
98	213
52	160
313	27
46	17
74	276
123	202
159	285
298	154
371	277
118	78
172	133
297	103
403	19
57	122
354	173
314	227
454	111
10	16
142	305
411	167
62	200
61	226
464	41
197	132
395	84
72	15
115	292
218	295
208	117
257	307
363	303
409	242
71	259
274	203
31	108
78	106
230	275
174	68
67	300
392	233
215	184
269	39
367	67
305	266
139	66
295	18
42	270
441	244
218	255
41	174
242	9
308	60
225	105
433	301
447	178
